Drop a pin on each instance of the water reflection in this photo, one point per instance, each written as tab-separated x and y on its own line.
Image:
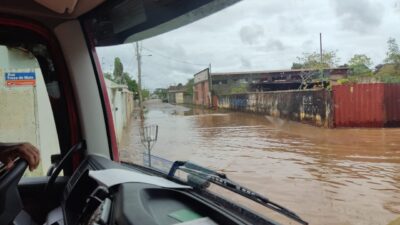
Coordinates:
340	176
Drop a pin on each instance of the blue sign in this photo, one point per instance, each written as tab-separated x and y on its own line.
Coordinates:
21	76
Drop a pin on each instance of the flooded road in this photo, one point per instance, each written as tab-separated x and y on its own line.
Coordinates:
327	176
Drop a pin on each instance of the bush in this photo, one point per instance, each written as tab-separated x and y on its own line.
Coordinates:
389	79
344	81
242	88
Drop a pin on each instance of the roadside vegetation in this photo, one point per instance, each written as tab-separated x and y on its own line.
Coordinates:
316	68
189	87
360	67
120	77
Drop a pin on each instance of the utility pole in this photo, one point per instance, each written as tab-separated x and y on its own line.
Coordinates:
210	87
320	53
320	46
139	58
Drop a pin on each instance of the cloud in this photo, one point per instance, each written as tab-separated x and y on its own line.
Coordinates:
397	6
360	16
125	52
291	24
262	35
270	46
307	44
251	34
275	45
246	63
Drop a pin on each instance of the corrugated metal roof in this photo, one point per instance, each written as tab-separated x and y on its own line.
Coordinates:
272	71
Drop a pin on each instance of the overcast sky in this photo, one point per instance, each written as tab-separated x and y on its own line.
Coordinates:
262	35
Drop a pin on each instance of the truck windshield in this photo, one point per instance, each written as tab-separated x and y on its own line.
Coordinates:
296	100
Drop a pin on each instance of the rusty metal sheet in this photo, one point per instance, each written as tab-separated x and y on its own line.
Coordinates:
366	105
392	105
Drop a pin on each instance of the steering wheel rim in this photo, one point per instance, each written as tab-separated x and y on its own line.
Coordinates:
10	200
58	168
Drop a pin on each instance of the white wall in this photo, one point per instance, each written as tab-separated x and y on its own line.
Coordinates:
121	102
48	138
179	98
25	111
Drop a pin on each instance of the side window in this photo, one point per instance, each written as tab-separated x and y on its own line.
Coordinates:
25	111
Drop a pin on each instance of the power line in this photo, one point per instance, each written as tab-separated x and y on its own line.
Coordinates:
173	59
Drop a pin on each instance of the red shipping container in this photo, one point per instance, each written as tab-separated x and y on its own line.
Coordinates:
392	105
366	105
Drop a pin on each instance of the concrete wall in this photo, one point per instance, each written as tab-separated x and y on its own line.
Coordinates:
201	88
201	93
308	106
122	105
188	99
25	111
179	99
171	97
26	114
48	139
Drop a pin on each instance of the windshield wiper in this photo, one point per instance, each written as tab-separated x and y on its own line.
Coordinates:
222	180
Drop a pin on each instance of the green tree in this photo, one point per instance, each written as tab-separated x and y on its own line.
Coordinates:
240	89
360	65
313	60
145	93
360	59
108	75
189	87
131	83
390	71
387	73
118	71
393	53
296	66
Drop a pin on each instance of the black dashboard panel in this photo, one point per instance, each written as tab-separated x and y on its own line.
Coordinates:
137	203
80	186
84	201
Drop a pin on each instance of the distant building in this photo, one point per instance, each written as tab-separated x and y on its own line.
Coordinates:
273	80
161	93
201	88
259	81
178	95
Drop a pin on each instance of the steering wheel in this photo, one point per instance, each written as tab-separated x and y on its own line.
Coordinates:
57	169
10	201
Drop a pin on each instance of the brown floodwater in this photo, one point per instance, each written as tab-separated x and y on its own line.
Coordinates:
327	176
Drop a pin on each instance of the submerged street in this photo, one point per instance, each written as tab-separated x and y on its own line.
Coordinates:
327	176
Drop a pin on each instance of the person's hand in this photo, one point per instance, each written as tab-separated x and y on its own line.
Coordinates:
23	150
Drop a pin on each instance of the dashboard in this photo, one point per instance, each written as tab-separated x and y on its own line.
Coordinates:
88	201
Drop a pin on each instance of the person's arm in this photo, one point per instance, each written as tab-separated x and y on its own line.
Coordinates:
10	151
